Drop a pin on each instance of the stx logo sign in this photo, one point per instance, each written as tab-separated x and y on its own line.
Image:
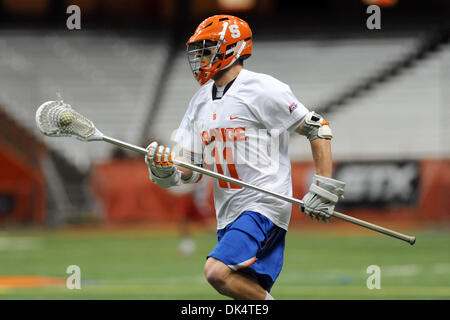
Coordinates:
379	184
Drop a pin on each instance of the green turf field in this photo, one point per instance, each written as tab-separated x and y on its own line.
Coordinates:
144	265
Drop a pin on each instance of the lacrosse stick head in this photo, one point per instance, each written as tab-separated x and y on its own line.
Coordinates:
58	119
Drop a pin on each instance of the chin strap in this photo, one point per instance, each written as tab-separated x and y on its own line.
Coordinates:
237	55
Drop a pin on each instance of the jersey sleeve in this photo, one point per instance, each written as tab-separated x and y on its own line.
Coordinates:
276	106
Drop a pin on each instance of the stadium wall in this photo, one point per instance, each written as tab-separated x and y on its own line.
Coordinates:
22	182
403	191
22	191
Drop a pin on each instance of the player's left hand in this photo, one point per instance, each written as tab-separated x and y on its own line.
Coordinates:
322	197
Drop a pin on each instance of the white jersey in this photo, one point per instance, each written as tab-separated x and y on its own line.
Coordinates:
245	135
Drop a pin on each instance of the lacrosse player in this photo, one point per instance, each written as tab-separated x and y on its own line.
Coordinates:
223	121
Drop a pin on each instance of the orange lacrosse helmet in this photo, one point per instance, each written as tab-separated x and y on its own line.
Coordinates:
216	44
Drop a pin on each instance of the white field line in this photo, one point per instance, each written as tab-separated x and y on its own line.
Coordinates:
20	243
287	277
407	270
168	281
441	268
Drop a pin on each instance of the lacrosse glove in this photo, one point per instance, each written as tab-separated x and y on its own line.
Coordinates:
159	160
322	197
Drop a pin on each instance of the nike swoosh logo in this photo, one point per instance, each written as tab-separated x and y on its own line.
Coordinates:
232	118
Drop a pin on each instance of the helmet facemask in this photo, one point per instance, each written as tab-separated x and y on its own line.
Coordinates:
202	56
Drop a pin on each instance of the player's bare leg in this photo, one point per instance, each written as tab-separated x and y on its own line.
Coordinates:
231	283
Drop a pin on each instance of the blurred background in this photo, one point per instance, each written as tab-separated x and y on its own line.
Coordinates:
385	92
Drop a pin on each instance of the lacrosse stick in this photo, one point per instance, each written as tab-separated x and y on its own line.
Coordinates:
57	119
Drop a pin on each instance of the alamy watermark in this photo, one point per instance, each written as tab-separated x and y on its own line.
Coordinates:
374	20
374	280
74	280
231	146
73	22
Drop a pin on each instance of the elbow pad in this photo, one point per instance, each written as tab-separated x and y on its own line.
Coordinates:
315	126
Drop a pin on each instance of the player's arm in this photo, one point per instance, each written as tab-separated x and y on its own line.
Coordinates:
324	191
321	153
188	175
185	172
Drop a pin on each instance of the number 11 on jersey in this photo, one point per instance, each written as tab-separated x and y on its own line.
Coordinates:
228	158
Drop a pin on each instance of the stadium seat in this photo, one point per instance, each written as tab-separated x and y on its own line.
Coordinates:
111	79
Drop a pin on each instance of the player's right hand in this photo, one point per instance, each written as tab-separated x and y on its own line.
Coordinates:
159	160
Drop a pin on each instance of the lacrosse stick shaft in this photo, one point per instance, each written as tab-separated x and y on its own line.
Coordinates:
124	145
409	239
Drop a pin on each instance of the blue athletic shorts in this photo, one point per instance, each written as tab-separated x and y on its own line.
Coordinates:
252	244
